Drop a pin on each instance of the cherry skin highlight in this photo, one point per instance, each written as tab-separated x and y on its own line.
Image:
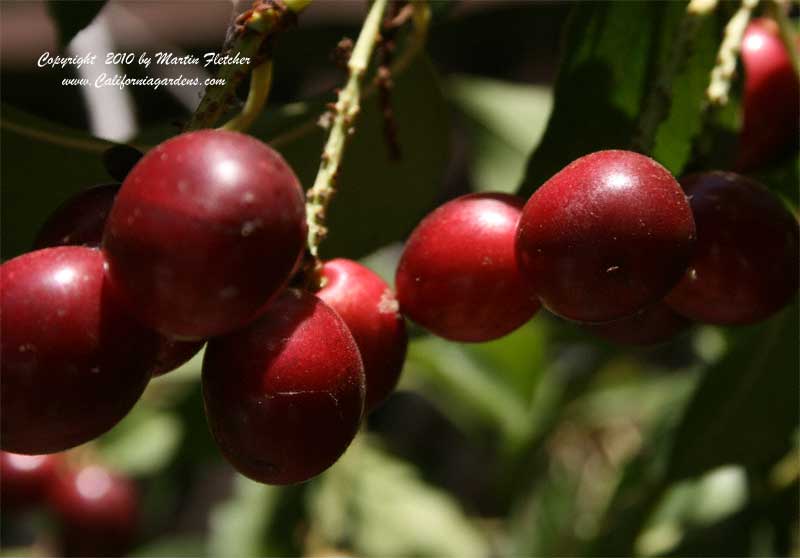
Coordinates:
771	103
98	511
655	324
746	263
369	309
24	479
607	236
79	221
73	361
207	228
458	275
284	396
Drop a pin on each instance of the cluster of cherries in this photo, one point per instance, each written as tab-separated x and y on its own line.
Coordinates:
96	509
201	243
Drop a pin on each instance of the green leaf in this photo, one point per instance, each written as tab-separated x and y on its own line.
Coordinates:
43	165
71	16
746	408
608	56
144	442
238	526
378	200
504	122
377	505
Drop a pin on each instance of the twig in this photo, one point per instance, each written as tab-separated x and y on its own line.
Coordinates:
346	110
722	73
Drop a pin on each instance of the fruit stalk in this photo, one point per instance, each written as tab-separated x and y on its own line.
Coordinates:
722	73
252	33
346	109
260	84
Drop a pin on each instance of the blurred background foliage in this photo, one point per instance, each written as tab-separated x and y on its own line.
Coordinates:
548	442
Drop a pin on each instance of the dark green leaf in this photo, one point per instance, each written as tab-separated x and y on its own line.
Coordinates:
746	408
71	16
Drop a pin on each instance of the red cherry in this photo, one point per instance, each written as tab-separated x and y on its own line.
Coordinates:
206	229
607	236
284	397
79	221
655	324
746	263
98	511
458	275
24	479
771	123
73	362
367	305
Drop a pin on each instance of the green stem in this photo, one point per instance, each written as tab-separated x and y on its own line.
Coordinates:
722	73
260	83
258	28
787	32
346	111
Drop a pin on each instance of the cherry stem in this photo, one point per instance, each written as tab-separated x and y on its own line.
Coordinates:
252	34
260	83
657	105
787	32
723	71
346	110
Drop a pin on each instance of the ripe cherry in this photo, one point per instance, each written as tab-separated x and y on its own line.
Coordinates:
771	123
746	263
284	396
24	479
655	324
98	511
206	229
79	221
367	305
458	274
73	361
607	236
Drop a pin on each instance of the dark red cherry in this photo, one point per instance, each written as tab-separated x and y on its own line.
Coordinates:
458	274
79	221
655	324
73	361
24	479
206	229
285	395
771	101
746	263
607	236
98	511
367	305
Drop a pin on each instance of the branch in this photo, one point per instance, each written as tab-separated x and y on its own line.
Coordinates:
346	110
722	73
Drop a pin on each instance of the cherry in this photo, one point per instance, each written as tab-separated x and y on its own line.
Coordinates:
746	263
24	479
655	324
73	362
284	396
98	511
367	305
771	97
79	221
458	274
206	229
608	235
